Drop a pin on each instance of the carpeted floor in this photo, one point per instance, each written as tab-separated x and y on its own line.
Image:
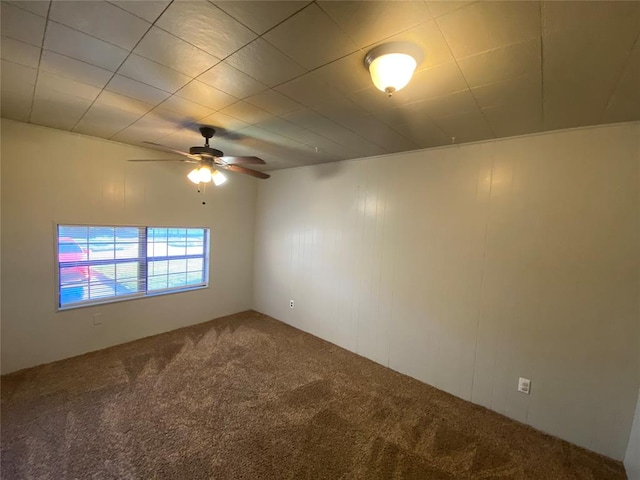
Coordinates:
248	397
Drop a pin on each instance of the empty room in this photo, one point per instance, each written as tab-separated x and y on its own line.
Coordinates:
320	240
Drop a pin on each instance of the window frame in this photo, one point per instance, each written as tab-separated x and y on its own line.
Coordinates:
146	259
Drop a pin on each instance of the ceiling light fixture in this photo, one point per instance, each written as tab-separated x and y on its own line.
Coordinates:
206	174
391	65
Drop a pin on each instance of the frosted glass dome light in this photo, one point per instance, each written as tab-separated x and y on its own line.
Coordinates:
392	65
392	72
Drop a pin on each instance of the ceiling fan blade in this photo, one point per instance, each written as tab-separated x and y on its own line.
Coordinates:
242	160
167	149
162	160
248	171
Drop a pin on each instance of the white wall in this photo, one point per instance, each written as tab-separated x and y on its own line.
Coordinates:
51	176
469	266
632	458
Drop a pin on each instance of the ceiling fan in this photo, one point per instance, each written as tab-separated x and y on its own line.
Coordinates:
210	161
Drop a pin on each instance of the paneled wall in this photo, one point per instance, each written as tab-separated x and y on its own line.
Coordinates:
469	266
632	458
50	176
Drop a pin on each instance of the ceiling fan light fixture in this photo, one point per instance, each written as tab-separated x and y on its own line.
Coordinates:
218	178
194	175
206	174
391	65
200	175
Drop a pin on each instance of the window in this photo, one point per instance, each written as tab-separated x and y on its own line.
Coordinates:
98	264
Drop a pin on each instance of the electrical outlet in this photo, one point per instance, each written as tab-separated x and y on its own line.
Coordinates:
290	303
524	385
97	319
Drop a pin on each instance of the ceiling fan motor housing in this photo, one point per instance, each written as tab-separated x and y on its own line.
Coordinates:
213	152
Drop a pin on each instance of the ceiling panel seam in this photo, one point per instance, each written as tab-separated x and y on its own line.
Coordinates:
455	59
270	28
213	66
542	25
617	83
119	67
35	84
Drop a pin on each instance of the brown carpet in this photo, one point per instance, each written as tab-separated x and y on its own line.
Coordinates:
248	397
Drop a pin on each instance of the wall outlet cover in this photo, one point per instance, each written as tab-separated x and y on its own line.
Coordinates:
524	385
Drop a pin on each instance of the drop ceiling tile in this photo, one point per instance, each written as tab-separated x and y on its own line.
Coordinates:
351	116
229	146
318	40
437	81
426	134
75	69
407	118
205	26
260	16
585	16
525	90
183	139
14	83
206	95
299	134
224	124
169	50
273	102
134	89
104	121
419	128
442	7
34	6
100	19
447	105
309	90
72	43
147	9
153	73
149	128
15	101
482	26
598	40
16	74
508	120
21	25
280	127
56	109
246	112
347	74
368	22
578	95
465	127
624	104
263	140
354	145
502	63
374	101
19	52
173	120
232	81
186	107
111	100
64	85
265	63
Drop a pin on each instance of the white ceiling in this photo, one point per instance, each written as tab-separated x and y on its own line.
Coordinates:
285	80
